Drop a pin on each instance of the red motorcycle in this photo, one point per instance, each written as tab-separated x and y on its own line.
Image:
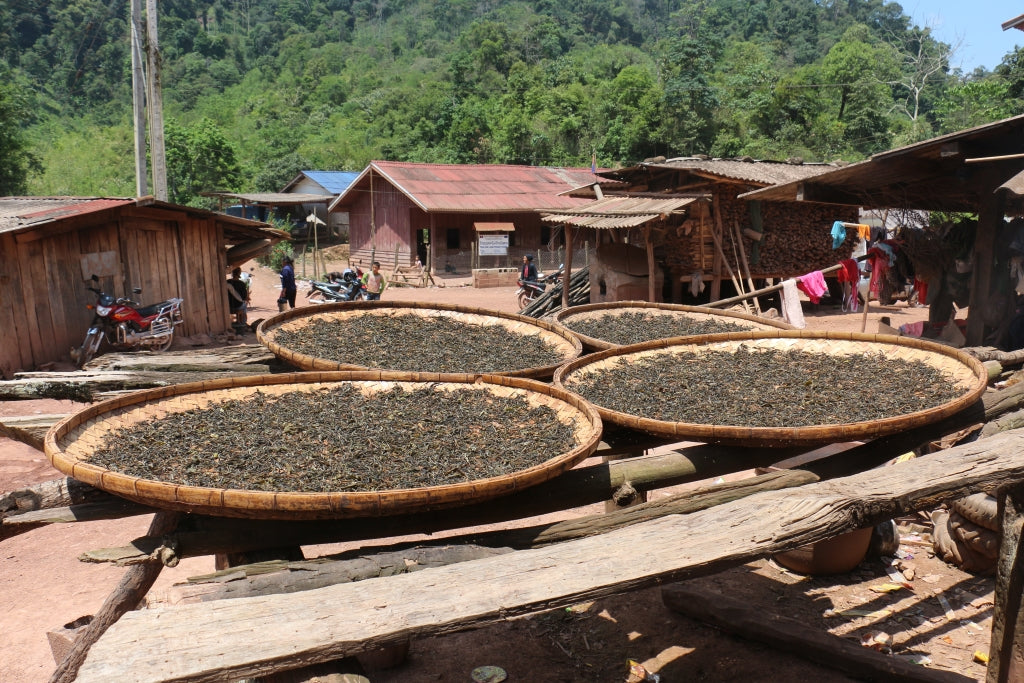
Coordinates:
126	325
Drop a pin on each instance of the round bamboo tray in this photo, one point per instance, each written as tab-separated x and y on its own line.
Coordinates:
70	443
961	369
567	344
568	316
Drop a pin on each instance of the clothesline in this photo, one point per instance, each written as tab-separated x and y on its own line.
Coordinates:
773	288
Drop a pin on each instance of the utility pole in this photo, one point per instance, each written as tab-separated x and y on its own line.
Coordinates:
138	100
155	102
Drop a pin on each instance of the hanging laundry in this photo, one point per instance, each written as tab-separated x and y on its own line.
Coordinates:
813	285
792	311
864	232
850	271
922	291
696	284
838	234
879	260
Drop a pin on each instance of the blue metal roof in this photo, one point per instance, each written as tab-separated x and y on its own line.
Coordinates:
335	182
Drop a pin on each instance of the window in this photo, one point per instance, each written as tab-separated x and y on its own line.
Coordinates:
452	238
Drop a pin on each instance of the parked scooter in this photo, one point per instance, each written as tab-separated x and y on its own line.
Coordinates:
344	286
127	325
532	289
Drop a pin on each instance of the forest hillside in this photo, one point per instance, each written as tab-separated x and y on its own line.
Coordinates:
255	90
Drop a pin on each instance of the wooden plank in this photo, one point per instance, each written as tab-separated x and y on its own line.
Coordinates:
789	635
1006	647
304	628
37	302
15	354
29	429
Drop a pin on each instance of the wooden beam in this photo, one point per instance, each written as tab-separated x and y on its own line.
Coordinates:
256	636
990	221
1006	647
567	273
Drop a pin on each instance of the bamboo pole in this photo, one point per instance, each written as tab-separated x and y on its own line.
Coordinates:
772	288
737	299
746	264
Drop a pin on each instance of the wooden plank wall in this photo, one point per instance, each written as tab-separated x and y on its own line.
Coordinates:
43	291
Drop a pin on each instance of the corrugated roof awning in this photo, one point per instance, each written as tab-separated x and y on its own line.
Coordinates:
1015	185
274	198
494	227
613	213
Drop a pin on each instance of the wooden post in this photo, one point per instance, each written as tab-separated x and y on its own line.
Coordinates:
651	280
990	219
746	264
721	254
134	585
716	262
155	105
1006	646
568	267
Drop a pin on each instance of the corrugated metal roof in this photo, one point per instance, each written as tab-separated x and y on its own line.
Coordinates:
274	198
334	182
477	188
749	171
22	213
25	213
494	227
617	212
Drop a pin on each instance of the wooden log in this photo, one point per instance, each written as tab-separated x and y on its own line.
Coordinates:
165	644
221	359
29	429
578	487
272	577
1013	420
1006	647
987	353
267	578
118	508
56	493
789	635
89	386
129	593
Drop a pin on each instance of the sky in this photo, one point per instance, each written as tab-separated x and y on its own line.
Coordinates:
977	23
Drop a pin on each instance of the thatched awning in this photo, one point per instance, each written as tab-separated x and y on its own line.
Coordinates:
613	213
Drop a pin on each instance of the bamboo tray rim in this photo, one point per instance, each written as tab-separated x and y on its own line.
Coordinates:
625	306
249	503
787	436
265	330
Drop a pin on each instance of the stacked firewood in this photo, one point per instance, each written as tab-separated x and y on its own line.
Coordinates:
796	239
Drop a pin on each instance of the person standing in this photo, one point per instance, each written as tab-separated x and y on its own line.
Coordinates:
374	282
238	296
288	288
528	273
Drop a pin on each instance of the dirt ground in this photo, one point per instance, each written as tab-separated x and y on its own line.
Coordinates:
44	586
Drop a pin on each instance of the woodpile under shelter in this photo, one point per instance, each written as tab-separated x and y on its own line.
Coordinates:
50	247
400	211
979	171
721	237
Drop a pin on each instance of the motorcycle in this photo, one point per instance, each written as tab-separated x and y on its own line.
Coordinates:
126	325
529	290
345	286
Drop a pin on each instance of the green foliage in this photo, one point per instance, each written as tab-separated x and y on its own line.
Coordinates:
275	257
254	91
199	158
17	160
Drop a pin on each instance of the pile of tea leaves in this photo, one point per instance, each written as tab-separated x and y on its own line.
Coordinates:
415	343
633	328
339	440
765	388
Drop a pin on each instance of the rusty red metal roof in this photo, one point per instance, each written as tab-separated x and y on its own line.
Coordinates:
476	188
22	212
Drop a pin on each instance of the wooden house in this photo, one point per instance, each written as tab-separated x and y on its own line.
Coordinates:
979	171
399	211
323	183
778	239
51	246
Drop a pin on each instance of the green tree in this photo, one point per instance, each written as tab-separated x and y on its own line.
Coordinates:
199	159
18	159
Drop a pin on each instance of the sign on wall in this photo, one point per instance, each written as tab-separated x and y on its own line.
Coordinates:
493	245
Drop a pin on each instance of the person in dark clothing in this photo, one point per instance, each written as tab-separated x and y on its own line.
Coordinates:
288	289
528	272
238	296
